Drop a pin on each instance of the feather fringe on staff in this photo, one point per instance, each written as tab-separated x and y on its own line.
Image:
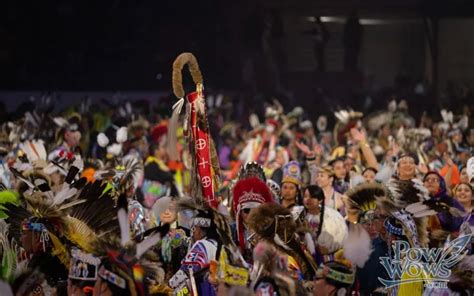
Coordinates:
205	172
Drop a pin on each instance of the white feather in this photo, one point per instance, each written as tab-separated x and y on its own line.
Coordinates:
210	101
41	149
450	116
280	242
59	121
470	168
333	232
122	112
52	168
39	182
78	163
253	119
357	246
443	126
339	116
423	193
147	243
297	111
377	121
22	166
309	242
29	118
384	174
424	213
26	181
463	123
34	150
128	107
219	99
121	136
124	227
392	106
401	135
64	194
444	115
415	207
306	124
102	140
114	149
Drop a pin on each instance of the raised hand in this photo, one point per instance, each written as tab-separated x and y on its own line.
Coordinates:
303	148
358	135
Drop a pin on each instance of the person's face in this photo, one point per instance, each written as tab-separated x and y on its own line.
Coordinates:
310	203
197	233
386	131
464	156
463	194
436	131
373	227
29	241
309	132
288	191
339	169
349	164
244	213
406	168
471	138
432	184
326	139
138	132
457	138
72	138
101	288
74	290
464	178
323	179
369	176
169	215
280	158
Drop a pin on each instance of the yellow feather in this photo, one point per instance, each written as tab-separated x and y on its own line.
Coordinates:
80	233
59	250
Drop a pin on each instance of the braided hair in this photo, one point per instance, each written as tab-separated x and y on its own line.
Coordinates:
317	192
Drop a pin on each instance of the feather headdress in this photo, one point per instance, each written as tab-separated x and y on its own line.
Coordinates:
362	199
275	224
194	210
123	175
410	221
405	192
346	121
124	262
252	169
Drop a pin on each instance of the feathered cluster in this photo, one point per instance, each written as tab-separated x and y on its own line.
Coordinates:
405	192
192	208
362	198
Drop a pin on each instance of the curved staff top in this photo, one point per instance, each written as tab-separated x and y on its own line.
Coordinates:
205	167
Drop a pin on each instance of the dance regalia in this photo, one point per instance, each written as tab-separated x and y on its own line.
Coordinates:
196	265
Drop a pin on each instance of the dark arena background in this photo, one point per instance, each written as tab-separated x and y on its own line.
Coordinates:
246	147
